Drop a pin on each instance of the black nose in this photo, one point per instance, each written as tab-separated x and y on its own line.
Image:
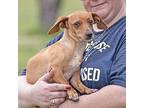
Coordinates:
89	34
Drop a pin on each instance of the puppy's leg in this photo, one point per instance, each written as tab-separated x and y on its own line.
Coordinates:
59	78
77	84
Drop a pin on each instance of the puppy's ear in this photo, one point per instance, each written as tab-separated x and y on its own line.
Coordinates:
100	23
60	23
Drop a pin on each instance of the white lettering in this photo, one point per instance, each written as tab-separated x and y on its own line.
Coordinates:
102	46
90	71
90	74
83	74
96	75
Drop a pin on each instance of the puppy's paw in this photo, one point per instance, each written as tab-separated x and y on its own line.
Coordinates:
73	95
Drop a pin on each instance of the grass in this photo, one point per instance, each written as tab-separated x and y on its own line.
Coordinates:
31	39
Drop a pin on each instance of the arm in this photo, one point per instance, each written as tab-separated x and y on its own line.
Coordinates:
111	96
41	93
23	93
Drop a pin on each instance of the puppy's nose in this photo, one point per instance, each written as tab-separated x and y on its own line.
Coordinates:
89	34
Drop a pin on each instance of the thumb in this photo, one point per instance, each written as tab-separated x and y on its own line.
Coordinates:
46	77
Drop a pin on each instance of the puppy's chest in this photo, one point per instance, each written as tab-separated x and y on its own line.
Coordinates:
73	65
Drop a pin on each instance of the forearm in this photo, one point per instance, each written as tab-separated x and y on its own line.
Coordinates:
23	93
108	97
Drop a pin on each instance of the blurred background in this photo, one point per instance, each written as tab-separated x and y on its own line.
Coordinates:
34	19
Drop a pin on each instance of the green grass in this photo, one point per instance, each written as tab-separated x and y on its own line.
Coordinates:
31	39
28	46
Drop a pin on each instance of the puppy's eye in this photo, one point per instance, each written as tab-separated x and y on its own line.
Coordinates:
90	21
77	24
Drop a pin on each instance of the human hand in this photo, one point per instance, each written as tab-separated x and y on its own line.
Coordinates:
46	94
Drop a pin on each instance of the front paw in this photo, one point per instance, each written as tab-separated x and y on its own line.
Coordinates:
73	95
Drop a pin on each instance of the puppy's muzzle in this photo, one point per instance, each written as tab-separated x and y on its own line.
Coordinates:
89	35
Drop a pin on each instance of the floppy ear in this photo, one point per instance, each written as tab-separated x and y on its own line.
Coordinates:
99	21
61	22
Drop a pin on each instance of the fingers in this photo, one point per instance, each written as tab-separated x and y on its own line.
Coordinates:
48	75
53	98
58	87
52	102
59	101
54	95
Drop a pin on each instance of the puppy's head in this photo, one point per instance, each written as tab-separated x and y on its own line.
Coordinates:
79	25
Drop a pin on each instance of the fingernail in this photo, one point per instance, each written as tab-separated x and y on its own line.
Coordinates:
67	87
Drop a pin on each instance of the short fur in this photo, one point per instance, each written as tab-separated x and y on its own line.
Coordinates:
65	56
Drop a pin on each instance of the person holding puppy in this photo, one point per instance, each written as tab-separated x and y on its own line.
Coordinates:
103	68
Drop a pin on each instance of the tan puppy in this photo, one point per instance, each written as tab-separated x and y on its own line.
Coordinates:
65	56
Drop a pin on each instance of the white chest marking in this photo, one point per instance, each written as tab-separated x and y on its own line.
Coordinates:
73	66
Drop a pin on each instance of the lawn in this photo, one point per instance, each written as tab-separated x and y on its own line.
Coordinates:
31	39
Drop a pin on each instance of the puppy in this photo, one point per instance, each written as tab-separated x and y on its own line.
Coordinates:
65	56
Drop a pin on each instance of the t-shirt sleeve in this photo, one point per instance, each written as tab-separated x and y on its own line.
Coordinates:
23	72
57	38
117	75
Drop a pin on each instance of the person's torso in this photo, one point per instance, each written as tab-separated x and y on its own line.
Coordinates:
98	57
